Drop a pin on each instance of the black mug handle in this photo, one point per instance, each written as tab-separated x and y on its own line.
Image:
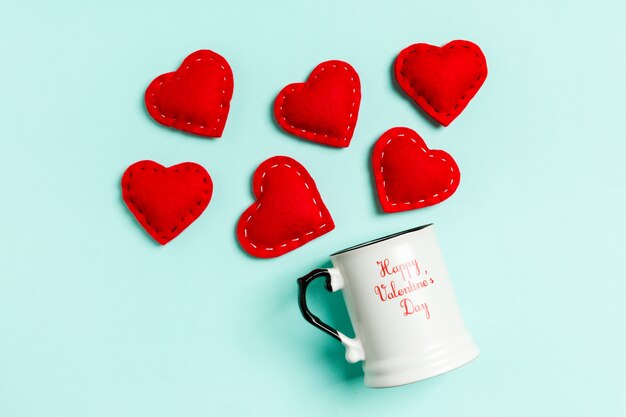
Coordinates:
303	284
354	348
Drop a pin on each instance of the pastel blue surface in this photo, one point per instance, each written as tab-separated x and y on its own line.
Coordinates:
98	320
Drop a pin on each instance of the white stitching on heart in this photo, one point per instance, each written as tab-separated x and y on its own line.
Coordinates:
382	155
190	123
271	248
350	117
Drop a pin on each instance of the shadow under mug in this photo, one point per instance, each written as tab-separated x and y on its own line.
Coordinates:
406	319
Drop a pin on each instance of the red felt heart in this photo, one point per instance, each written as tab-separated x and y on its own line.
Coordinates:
288	211
323	109
166	200
194	98
443	80
408	175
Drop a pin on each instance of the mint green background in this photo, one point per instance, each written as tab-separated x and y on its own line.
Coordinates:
97	320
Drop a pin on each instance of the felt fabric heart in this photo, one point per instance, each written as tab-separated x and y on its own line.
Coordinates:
443	80
408	175
194	98
166	200
325	108
288	211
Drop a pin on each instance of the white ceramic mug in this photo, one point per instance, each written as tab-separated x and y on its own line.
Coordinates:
406	320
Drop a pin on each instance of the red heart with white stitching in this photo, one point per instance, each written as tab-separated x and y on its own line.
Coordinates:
194	98
408	175
443	80
325	108
288	211
166	200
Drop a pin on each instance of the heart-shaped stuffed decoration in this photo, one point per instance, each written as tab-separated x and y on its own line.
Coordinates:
166	200
288	211
441	80
194	98
408	175
325	108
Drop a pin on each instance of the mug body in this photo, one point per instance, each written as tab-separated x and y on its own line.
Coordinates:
403	308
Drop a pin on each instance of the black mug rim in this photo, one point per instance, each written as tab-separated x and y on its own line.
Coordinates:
381	239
